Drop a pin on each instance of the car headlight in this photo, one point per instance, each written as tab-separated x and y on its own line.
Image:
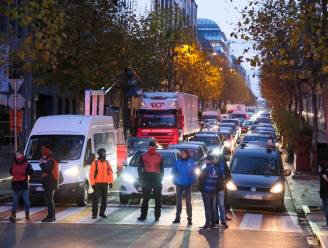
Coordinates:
198	171
128	178
231	186
168	179
277	188
217	151
72	172
227	143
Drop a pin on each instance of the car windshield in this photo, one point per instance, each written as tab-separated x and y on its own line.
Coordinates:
266	166
142	143
169	159
210	117
238	116
65	147
225	136
250	138
158	118
208	140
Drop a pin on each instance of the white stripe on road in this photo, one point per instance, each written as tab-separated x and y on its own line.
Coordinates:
5	208
251	222
67	212
131	219
89	220
21	214
289	224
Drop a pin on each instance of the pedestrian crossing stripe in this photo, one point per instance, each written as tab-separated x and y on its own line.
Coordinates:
129	215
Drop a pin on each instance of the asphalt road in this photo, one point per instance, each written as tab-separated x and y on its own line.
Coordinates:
74	228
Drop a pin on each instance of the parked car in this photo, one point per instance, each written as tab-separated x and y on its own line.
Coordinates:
130	183
258	178
140	144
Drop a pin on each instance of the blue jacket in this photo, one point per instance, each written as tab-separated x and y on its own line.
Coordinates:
183	172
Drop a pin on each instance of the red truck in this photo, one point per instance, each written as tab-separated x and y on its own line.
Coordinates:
168	116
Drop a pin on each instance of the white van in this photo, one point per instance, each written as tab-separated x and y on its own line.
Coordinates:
74	140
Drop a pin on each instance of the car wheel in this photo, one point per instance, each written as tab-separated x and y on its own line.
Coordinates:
82	201
124	199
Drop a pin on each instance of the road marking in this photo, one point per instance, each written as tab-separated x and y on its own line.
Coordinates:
21	214
5	208
88	219
67	212
251	222
131	219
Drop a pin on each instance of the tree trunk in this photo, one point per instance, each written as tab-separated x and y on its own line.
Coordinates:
314	149
300	102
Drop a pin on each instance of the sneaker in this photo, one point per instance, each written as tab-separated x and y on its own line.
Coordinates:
12	219
189	223
206	227
224	224
47	220
214	226
325	226
176	221
27	217
103	216
217	222
156	219
94	217
228	218
141	218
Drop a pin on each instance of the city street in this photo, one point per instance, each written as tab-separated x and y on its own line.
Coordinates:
75	228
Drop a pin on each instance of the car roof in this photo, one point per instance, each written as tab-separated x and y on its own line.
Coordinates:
257	151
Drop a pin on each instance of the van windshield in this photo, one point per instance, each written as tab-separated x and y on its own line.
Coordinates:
64	147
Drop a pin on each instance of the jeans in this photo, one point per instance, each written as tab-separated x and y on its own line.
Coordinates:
101	190
26	199
187	191
209	199
157	190
49	196
325	208
221	205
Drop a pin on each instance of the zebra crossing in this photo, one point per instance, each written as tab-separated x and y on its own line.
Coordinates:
127	215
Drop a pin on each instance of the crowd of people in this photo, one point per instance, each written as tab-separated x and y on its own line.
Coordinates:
211	184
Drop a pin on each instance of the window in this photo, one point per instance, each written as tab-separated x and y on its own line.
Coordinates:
88	153
105	141
249	165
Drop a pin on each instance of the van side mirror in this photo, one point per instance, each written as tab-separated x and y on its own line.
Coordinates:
287	172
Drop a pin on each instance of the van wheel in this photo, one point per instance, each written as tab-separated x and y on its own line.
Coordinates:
124	199
82	201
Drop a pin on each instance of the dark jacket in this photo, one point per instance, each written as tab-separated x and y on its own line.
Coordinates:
224	175
21	184
150	178
323	183
209	178
48	180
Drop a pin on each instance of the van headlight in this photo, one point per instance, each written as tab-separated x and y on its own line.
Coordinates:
198	171
72	172
128	178
231	186
277	188
168	179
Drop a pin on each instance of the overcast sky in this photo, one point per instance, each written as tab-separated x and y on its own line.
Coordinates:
227	14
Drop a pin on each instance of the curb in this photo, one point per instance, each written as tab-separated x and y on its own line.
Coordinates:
295	199
318	233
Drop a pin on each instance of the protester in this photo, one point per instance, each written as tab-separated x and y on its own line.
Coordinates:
323	169
50	180
208	183
150	171
20	170
183	178
101	177
224	176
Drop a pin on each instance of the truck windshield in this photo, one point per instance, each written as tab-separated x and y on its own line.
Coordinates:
64	147
158	118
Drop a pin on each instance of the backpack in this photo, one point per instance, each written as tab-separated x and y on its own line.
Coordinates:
55	170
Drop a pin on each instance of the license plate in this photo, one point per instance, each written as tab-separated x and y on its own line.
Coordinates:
253	197
39	189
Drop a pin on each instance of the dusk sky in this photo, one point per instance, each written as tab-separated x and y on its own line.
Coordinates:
227	14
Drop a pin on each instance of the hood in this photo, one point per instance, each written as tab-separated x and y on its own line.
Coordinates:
254	180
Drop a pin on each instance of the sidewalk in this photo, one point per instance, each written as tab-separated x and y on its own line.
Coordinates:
304	190
5	178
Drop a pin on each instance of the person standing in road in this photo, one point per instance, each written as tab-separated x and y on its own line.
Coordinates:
20	170
323	169
224	176
101	177
183	178
50	180
208	182
150	171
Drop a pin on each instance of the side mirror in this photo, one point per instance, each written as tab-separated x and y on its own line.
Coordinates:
287	172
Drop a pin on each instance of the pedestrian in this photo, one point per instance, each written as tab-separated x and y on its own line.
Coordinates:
183	177
208	182
50	180
323	170
151	171
20	170
101	177
224	176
